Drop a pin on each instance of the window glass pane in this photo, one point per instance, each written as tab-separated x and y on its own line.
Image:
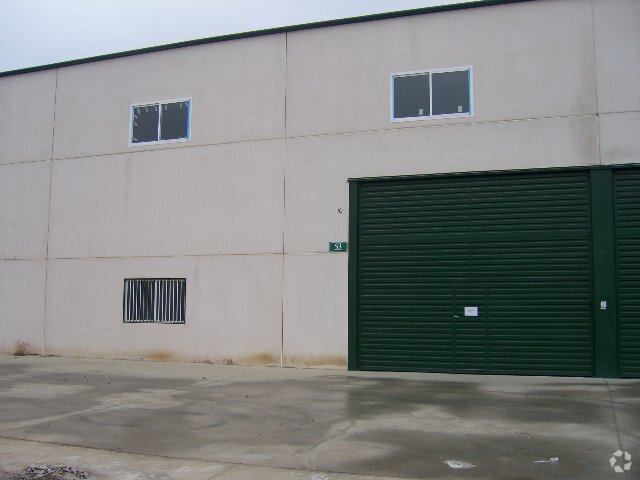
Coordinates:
411	96
175	119
145	124
450	92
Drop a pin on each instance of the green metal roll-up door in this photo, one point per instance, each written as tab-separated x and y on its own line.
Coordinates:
479	273
627	206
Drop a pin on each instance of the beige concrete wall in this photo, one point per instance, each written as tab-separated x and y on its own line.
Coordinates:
26	130
188	201
26	121
617	52
237	92
620	141
233	309
246	209
24	210
22	306
315	305
530	60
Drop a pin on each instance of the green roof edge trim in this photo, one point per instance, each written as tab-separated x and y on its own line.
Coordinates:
268	31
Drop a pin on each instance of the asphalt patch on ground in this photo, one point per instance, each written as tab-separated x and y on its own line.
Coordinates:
47	472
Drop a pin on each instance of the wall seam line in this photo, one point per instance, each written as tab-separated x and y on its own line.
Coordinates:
46	259
148	257
28	162
330	134
284	201
595	79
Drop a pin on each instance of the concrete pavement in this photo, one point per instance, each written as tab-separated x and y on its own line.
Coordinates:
125	419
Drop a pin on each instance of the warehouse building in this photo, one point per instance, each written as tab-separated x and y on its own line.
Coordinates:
451	189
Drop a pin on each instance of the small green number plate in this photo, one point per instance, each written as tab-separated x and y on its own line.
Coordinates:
338	246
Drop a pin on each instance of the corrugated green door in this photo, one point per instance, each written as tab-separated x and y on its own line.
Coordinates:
478	273
627	201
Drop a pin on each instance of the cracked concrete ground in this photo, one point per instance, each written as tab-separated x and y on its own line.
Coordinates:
120	419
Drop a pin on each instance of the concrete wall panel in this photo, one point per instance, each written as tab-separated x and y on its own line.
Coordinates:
24	209
237	90
193	201
529	61
318	167
617	41
22	286
315	309
619	138
26	121
233	309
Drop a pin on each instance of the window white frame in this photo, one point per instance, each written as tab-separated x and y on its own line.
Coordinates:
430	71
159	103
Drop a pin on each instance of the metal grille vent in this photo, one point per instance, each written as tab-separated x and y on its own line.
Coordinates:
154	300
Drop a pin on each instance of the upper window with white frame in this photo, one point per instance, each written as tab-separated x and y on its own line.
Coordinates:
160	122
431	94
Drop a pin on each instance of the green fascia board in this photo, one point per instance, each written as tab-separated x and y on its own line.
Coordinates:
268	31
493	172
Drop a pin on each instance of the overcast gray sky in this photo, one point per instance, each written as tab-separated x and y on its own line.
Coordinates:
39	32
